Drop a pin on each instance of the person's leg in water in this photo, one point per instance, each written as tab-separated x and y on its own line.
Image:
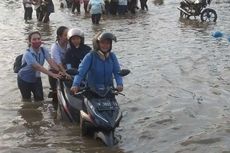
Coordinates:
107	7
93	18
113	7
146	6
142	4
30	12
69	3
78	6
74	5
41	12
46	18
26	13
38	90
85	6
53	88
97	18
25	89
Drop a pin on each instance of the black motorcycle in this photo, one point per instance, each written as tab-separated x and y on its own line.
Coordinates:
68	105
197	8
97	111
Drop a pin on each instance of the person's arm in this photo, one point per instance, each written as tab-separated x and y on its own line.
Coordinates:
40	68
30	60
53	64
116	69
83	70
50	61
63	70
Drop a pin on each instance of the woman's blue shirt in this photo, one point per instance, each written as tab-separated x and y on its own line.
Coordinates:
99	73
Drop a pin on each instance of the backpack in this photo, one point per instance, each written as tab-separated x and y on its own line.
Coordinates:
18	62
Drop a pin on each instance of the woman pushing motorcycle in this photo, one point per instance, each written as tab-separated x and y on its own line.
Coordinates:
29	77
99	66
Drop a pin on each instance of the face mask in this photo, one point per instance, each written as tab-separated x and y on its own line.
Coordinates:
36	44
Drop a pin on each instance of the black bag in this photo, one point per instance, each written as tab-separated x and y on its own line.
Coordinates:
18	62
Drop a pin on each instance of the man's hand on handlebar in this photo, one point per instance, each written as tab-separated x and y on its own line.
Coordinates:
119	88
74	90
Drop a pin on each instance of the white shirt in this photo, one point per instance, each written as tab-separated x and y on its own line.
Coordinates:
57	53
96	6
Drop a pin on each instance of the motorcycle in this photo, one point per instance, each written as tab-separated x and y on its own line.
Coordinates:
68	106
197	8
97	111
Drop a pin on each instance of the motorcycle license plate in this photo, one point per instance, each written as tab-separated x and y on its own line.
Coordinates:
105	106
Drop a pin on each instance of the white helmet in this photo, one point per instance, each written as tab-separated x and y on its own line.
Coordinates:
75	32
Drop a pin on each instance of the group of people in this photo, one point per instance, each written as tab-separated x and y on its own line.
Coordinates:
43	9
96	8
69	51
99	7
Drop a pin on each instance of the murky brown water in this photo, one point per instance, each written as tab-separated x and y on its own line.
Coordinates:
177	96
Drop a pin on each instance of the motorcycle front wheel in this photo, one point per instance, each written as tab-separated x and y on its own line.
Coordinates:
106	137
208	15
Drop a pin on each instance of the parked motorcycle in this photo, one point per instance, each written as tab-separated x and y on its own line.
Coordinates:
97	111
197	8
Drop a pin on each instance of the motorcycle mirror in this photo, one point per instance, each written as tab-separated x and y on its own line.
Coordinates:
72	71
124	72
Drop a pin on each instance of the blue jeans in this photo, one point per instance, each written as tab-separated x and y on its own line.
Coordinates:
26	88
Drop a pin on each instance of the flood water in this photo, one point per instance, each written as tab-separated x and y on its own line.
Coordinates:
177	96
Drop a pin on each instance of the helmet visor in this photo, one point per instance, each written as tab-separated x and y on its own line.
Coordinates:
106	35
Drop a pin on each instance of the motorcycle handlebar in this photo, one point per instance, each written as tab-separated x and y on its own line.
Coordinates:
84	89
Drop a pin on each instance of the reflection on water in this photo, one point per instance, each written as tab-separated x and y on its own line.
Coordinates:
194	23
31	112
